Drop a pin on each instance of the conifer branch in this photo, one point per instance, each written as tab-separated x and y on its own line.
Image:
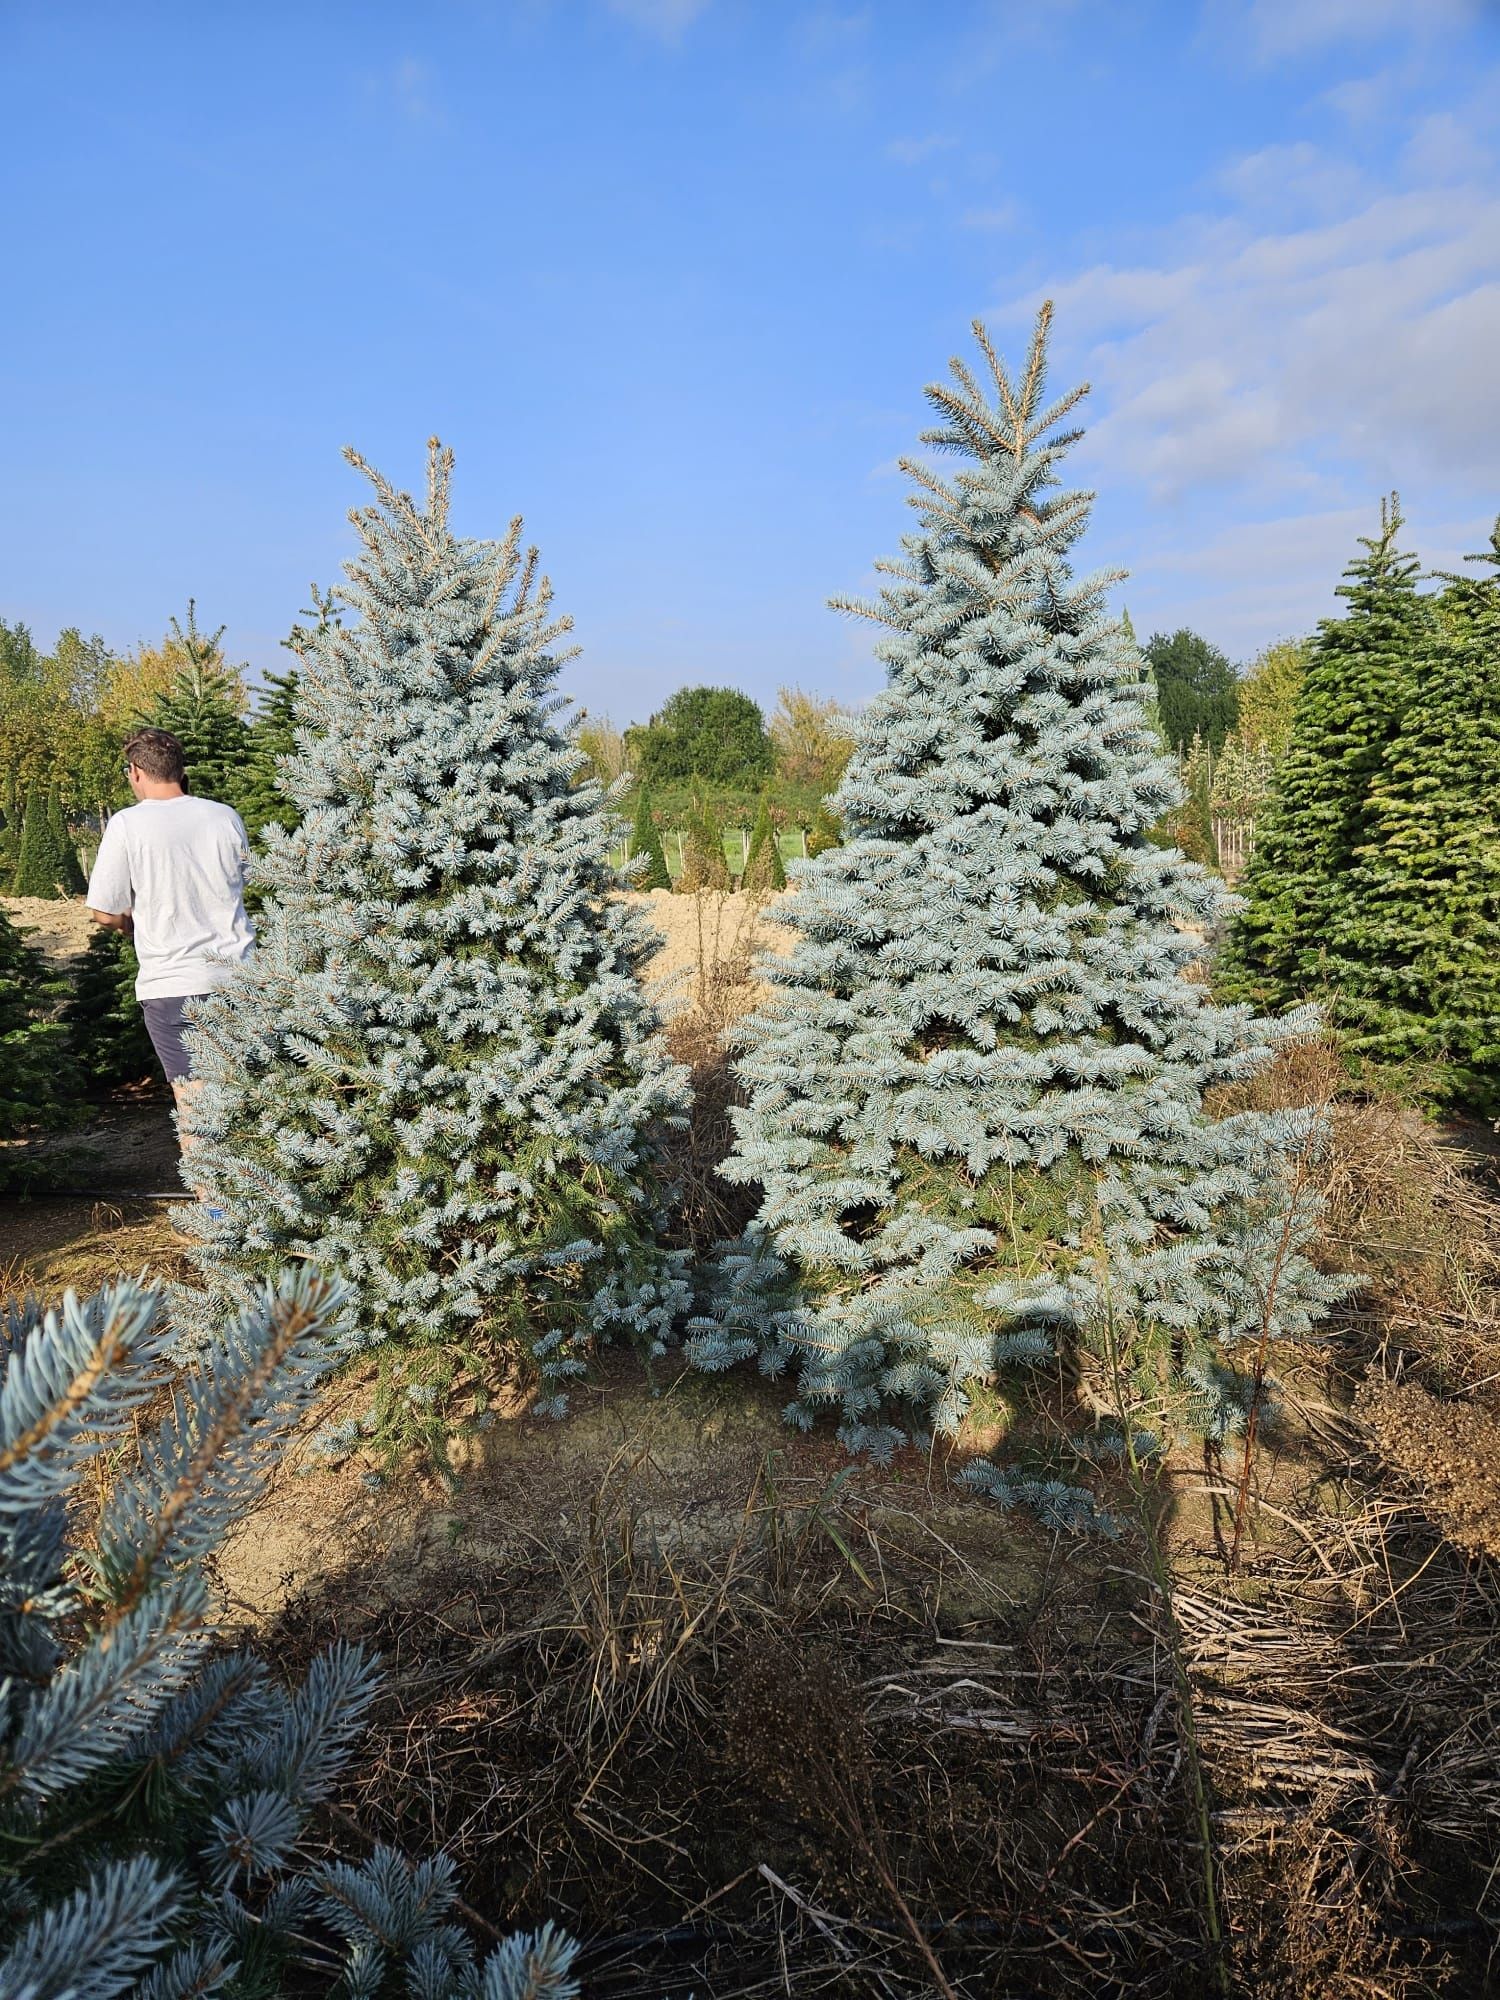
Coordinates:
439	483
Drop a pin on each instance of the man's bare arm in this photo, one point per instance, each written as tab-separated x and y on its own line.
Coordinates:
115	920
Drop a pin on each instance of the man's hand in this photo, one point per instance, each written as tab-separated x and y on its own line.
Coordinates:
113	920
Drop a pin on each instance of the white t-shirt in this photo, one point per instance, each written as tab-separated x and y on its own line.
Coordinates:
178	866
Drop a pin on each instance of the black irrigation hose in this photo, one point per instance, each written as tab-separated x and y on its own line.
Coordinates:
95	1194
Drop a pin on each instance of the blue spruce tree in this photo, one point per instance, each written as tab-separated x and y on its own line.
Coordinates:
156	1790
437	1074
976	1095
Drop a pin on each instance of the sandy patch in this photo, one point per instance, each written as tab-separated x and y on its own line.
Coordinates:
61	926
696	931
702	930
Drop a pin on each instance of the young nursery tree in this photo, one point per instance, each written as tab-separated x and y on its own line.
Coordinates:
272	735
1348	708
645	844
201	708
33	1064
825	832
704	864
977	1092
105	1029
437	1074
765	873
156	1789
1416	958
70	877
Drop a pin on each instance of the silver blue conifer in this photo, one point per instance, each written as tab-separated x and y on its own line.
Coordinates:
437	1074
979	1092
155	1788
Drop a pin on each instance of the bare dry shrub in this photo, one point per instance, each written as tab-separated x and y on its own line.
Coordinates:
1449	1450
1403	1211
730	933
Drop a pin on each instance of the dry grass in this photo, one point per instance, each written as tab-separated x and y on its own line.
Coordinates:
810	1744
779	1763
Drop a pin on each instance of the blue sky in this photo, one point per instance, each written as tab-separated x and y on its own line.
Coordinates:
670	274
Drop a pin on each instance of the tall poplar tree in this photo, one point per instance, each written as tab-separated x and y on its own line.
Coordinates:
976	1095
46	862
1348	709
1416	957
437	1074
70	875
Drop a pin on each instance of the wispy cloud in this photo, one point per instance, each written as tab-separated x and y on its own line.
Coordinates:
911	152
1363	337
408	88
667	20
999	215
1314	336
1279	28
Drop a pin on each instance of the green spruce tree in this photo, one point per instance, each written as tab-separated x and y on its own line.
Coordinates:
1348	710
645	845
1416	957
201	709
106	1031
33	1065
272	736
764	873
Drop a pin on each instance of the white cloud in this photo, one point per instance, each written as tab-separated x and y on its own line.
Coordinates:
1243	355
1292	178
668	20
1256	581
1264	370
1361	100
1442	148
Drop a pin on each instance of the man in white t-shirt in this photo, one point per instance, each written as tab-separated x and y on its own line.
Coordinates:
170	872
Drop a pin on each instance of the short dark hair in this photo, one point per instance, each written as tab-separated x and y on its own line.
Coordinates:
158	753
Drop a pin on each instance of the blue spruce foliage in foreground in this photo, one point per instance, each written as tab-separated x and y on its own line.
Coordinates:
976	1095
154	1788
437	1074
